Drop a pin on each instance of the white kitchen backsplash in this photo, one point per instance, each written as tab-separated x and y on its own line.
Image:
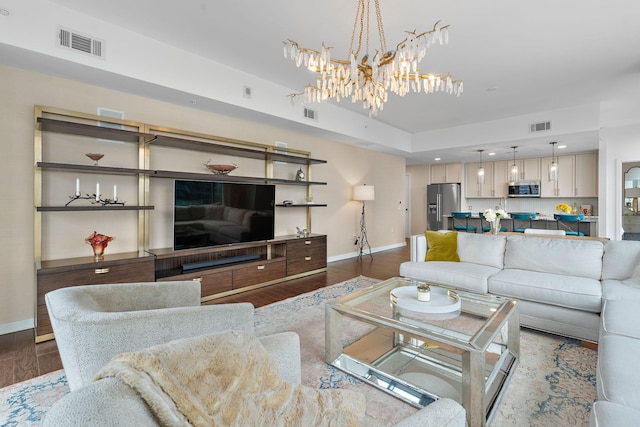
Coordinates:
544	206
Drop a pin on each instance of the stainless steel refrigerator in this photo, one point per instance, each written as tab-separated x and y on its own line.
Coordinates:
442	199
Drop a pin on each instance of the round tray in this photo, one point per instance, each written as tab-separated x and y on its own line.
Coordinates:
442	300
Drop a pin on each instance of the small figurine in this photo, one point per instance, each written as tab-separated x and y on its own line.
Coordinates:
300	175
301	233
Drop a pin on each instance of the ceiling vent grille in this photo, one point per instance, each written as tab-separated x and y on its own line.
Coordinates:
80	42
539	127
310	114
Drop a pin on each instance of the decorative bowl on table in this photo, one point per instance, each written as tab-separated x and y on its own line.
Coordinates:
95	157
221	169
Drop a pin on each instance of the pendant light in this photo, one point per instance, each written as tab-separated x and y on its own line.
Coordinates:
553	166
514	175
480	170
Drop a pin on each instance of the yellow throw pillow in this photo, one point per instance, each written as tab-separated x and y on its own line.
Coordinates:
442	246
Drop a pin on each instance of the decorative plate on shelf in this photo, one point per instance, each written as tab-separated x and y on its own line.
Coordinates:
95	157
221	169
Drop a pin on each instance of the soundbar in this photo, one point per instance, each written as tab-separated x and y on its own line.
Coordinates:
219	262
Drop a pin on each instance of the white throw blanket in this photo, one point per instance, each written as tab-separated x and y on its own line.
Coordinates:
228	379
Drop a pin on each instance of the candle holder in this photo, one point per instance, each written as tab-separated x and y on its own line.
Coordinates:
424	292
94	200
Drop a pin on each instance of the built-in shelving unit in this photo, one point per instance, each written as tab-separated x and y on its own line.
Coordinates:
282	258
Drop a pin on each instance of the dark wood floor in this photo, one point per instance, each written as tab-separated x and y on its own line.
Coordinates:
21	359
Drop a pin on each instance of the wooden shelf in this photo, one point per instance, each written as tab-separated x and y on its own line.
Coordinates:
92	208
302	205
81	129
183	143
170	174
90	168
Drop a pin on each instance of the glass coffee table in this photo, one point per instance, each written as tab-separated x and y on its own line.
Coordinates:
459	345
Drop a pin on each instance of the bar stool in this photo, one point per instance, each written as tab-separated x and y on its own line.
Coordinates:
522	216
567	221
462	216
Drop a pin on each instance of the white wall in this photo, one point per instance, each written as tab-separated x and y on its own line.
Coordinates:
618	145
21	90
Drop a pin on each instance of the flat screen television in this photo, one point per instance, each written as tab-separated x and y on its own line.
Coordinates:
208	213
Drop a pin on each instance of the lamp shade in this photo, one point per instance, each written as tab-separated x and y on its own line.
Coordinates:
632	192
364	192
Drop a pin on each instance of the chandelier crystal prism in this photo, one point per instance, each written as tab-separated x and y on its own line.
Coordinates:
368	78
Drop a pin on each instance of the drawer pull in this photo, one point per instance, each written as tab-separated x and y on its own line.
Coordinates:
307	258
102	270
261	267
198	279
307	242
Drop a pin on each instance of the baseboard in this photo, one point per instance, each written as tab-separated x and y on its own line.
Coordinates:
21	325
373	250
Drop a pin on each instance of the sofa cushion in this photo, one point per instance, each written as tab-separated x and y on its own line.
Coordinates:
460	275
485	249
620	289
616	380
558	256
442	246
620	317
620	258
566	291
564	321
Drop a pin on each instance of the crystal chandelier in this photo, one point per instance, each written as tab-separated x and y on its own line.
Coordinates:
368	78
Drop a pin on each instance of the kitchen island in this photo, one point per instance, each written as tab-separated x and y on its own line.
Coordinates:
588	226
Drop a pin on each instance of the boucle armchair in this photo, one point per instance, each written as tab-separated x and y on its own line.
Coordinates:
111	402
94	323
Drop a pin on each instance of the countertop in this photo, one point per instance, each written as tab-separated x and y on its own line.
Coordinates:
543	217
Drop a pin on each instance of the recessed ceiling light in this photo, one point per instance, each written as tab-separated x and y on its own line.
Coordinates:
5	12
437	159
492	89
562	146
194	102
491	154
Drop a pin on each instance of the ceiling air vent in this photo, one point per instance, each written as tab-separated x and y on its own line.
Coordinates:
80	42
539	127
310	114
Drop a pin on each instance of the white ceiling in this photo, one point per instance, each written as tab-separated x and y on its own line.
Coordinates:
536	56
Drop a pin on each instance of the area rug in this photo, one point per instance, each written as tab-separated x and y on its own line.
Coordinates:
554	383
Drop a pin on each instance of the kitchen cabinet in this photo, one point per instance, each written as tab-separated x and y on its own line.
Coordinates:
586	176
472	188
577	176
446	173
500	170
528	169
565	186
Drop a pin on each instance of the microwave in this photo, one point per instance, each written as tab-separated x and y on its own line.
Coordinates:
524	189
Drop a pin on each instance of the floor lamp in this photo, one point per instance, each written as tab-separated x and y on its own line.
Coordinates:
362	193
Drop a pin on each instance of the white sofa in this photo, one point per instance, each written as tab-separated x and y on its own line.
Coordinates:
585	289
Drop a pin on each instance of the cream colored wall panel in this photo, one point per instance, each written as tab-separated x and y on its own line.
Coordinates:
419	182
17	285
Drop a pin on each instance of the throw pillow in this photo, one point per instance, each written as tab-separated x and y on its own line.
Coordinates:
442	246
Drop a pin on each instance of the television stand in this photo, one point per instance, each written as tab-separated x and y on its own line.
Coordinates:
228	270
